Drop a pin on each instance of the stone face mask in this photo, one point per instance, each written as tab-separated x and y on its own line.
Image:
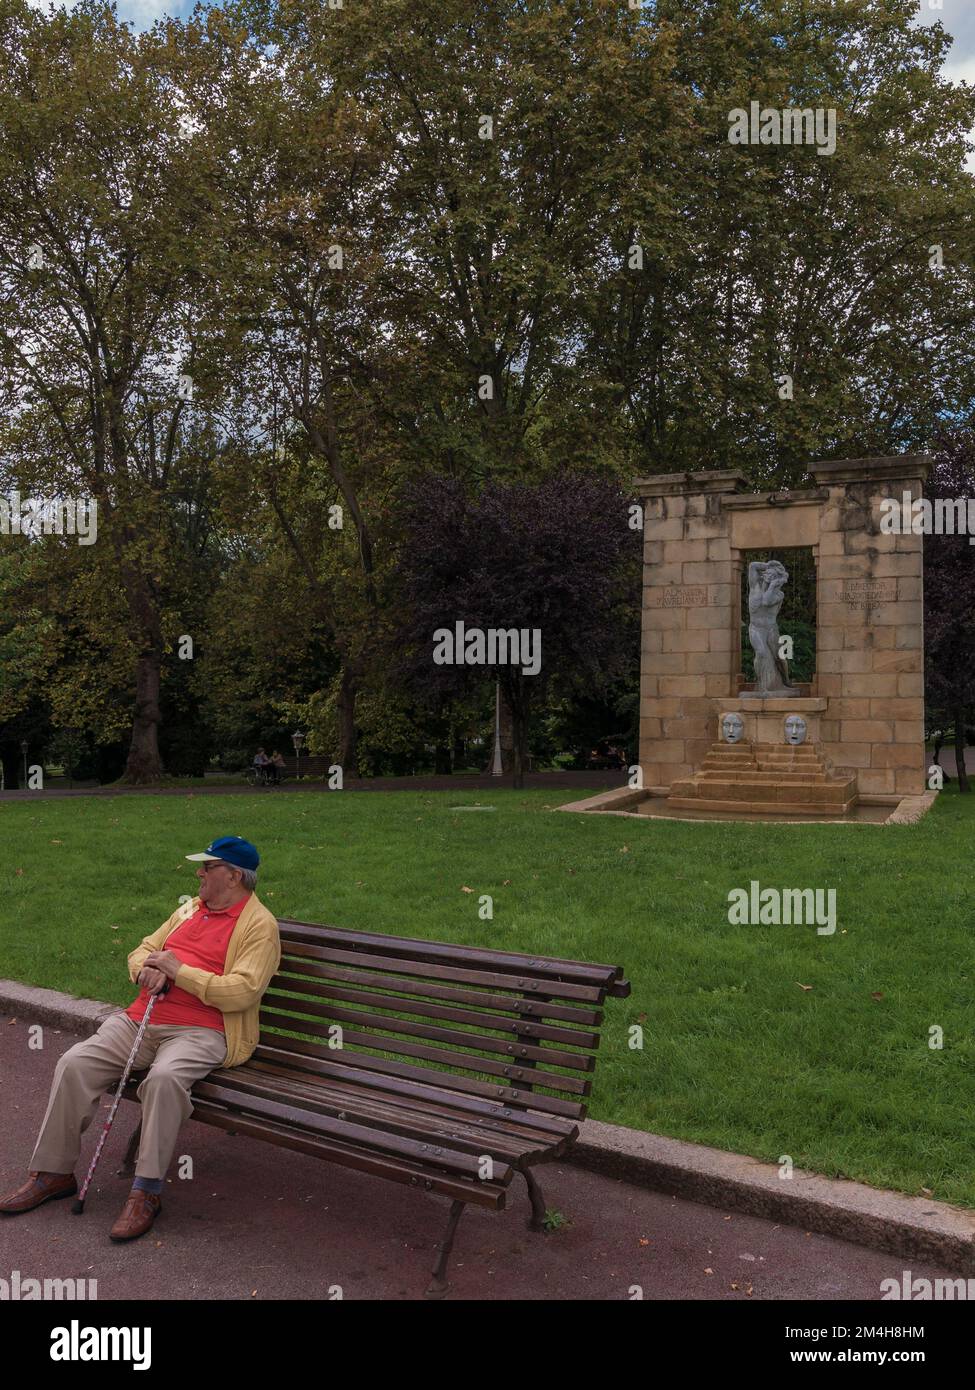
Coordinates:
795	729
732	728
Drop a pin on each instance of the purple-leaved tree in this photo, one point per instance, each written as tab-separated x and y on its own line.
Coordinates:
949	600
553	558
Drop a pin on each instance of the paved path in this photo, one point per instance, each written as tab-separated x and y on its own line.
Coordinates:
262	1222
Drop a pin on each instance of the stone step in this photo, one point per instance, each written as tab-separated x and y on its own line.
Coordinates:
767	808
783	759
766	790
747	775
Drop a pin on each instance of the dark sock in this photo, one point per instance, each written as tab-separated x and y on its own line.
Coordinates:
147	1185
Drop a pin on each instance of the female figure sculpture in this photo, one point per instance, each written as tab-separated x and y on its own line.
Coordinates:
766	582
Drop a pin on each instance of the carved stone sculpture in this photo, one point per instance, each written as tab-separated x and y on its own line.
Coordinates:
795	729
732	728
766	582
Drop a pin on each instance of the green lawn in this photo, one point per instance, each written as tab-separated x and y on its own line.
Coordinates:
736	1054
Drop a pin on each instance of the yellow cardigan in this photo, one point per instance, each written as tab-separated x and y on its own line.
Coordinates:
253	956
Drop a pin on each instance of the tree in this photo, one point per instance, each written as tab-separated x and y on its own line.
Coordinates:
949	597
103	234
760	306
545	557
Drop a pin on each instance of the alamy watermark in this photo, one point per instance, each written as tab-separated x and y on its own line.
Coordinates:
49	516
913	1290
23	1289
756	906
493	646
766	125
927	516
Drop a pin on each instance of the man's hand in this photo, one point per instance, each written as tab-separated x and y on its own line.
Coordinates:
150	979
164	961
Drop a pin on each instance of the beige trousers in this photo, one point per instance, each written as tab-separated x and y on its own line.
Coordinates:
176	1057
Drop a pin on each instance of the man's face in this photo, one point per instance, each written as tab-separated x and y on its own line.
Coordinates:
216	879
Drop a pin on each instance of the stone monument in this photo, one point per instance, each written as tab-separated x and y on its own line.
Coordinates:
862	715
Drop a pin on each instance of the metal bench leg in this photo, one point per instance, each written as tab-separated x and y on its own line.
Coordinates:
438	1284
128	1162
536	1221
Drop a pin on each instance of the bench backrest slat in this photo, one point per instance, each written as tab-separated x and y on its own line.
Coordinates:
528	984
512	1003
520	1026
502	1025
392	1023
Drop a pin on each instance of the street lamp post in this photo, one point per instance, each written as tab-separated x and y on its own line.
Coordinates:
298	739
496	766
23	748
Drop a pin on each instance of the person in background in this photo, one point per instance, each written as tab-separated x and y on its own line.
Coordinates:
275	767
261	764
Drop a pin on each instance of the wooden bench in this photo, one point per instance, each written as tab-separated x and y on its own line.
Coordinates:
488	1078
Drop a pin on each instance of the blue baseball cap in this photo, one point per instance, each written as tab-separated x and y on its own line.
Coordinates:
232	850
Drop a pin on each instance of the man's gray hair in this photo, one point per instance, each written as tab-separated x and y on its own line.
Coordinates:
248	878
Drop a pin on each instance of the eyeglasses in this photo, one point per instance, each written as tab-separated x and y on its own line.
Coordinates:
209	864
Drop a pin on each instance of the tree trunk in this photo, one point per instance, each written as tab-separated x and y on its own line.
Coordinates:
348	691
12	766
960	749
144	764
519	704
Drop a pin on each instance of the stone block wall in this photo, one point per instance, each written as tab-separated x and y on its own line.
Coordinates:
697	528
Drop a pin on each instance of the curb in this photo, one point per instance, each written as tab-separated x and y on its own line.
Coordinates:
84	1016
915	1228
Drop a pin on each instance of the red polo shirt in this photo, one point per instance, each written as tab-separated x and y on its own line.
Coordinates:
201	940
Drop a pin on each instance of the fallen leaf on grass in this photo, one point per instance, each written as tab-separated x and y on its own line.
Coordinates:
877	994
806	987
464	888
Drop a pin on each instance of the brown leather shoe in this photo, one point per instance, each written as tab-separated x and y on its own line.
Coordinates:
39	1187
138	1214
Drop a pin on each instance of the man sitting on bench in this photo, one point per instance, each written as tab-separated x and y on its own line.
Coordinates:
219	953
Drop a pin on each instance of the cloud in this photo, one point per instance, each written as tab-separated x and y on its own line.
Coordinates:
140	13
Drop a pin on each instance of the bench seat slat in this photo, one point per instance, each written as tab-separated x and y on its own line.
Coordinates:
483	1194
404	1084
425	1127
508	1090
343	1092
440	1156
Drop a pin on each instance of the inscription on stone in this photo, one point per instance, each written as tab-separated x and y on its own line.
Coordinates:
683	596
867	593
